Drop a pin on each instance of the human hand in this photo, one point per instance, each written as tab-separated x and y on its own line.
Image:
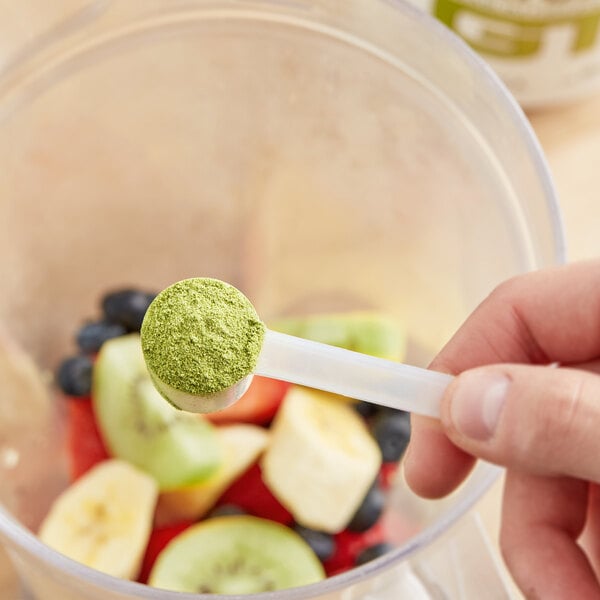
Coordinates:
543	424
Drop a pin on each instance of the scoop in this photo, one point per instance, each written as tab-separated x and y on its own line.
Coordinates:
230	317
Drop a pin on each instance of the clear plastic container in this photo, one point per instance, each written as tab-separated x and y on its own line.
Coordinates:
318	155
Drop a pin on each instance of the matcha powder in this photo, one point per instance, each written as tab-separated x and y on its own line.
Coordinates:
201	336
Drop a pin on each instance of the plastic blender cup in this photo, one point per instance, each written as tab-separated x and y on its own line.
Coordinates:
318	155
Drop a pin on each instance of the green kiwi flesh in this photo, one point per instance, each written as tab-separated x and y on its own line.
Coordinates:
365	332
236	555
139	426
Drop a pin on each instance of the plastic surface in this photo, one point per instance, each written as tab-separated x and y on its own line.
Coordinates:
321	156
463	565
351	374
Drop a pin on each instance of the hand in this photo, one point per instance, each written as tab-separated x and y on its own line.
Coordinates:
541	423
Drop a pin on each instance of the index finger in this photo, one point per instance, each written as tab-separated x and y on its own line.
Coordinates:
551	315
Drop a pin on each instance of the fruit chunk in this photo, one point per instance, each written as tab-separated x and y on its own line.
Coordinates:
388	474
92	335
349	544
127	307
176	448
321	461
103	520
74	376
367	332
391	430
236	555
369	511
226	510
322	544
258	405
159	538
250	493
242	445
84	445
373	552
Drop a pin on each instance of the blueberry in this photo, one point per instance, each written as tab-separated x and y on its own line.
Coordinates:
127	307
74	376
322	544
226	510
392	433
92	335
366	409
369	511
372	552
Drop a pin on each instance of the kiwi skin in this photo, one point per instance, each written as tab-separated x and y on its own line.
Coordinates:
237	554
137	425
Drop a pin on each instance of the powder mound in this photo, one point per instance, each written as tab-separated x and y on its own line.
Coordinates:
201	336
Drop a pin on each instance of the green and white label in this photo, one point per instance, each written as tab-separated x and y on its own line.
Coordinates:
545	50
510	35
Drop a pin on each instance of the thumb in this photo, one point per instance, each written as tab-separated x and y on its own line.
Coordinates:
535	419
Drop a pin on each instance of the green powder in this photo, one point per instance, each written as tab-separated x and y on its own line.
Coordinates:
201	336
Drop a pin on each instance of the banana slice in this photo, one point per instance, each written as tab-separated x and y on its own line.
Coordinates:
242	444
321	460
103	520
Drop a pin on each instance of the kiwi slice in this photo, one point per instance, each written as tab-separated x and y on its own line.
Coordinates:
366	332
139	426
237	554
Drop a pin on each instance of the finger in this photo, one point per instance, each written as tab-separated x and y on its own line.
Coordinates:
590	538
535	419
434	466
541	521
541	317
592	366
551	315
431	457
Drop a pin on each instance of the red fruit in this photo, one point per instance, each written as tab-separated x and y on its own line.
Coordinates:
348	546
84	443
338	571
250	493
387	473
159	538
258	405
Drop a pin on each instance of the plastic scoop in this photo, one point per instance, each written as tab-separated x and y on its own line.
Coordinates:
352	374
323	367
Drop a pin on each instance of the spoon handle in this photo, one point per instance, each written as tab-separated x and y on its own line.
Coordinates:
351	374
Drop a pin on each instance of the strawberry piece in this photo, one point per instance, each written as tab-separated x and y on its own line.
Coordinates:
258	405
387	473
84	442
250	493
159	538
348	546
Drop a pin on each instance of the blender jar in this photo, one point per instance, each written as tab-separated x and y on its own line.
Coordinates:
319	155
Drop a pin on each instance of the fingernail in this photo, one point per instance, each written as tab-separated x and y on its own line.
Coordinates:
477	402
